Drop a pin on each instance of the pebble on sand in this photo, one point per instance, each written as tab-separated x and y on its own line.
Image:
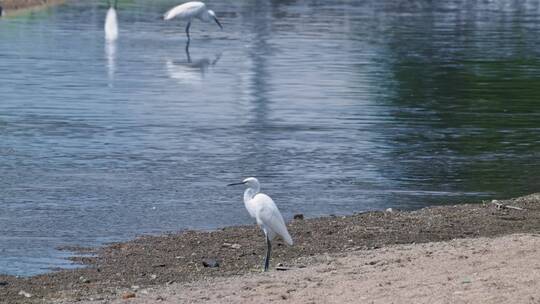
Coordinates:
233	246
210	263
82	279
128	295
25	294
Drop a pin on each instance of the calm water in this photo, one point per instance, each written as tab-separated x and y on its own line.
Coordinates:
337	106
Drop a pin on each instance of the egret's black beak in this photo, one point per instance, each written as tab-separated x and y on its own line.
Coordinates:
217	21
234	184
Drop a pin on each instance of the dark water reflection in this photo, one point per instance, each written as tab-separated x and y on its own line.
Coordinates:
338	107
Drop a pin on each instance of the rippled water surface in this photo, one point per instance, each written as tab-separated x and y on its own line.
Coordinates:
337	106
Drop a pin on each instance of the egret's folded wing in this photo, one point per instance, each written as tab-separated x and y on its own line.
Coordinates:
269	214
184	11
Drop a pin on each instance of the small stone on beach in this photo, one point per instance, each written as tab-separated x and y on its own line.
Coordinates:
159	265
84	280
298	216
233	246
25	294
128	295
210	263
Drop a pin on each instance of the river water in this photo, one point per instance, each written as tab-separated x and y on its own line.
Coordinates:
337	106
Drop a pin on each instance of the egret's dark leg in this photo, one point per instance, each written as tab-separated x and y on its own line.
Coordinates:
187	30
268	251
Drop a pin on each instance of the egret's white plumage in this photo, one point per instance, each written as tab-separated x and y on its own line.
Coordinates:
111	25
189	11
261	207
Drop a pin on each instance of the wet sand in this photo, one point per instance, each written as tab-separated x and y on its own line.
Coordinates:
176	260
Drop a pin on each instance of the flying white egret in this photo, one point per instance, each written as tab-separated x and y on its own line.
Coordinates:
111	23
190	10
261	207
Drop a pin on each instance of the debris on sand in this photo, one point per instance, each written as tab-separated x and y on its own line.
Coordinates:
25	294
128	295
210	263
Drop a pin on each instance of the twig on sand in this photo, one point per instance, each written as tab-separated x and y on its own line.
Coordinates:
503	206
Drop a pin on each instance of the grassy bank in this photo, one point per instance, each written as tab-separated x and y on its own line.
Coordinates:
13	6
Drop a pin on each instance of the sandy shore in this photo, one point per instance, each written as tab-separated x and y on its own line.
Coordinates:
327	252
499	270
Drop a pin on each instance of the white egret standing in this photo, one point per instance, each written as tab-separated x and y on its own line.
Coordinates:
261	207
111	23
190	10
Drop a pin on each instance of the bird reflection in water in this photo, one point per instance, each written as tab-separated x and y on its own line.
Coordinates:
190	70
110	55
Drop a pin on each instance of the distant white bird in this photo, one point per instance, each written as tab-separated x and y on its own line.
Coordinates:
190	10
261	207
111	23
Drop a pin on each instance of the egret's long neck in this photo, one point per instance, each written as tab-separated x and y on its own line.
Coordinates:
250	193
205	16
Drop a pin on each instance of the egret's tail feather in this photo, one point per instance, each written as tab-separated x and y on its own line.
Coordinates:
168	15
287	238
